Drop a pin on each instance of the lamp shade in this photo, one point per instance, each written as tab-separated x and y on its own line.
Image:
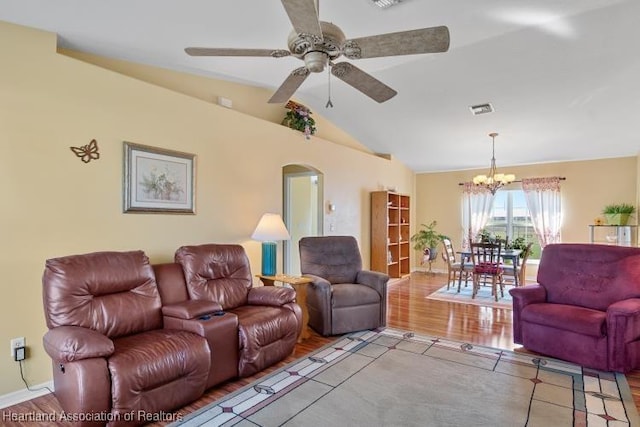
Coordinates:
270	228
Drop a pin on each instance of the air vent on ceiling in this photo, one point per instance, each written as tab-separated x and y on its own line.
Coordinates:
383	4
481	109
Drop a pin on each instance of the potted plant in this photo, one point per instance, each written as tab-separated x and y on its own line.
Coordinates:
519	243
486	236
619	213
427	240
299	118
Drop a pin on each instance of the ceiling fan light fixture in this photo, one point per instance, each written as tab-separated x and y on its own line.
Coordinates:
383	4
315	61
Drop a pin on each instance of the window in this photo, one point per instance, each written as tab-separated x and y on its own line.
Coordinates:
510	217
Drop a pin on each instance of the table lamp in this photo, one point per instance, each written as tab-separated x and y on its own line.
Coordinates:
269	230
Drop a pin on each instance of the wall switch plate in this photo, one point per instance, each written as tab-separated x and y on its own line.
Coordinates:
17	343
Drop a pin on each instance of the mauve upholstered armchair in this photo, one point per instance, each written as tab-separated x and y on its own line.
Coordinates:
585	307
342	297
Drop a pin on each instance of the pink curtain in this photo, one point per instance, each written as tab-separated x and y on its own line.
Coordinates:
545	207
477	202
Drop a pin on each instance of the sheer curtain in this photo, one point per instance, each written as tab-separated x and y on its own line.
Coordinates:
545	208
477	202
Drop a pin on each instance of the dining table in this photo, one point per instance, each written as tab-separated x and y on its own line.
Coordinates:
512	255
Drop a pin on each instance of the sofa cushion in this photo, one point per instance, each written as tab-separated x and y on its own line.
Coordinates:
334	258
588	275
349	295
572	318
215	272
113	293
158	370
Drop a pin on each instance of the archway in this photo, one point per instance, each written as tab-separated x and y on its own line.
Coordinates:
303	195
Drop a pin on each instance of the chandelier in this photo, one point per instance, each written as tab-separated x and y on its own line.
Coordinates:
494	180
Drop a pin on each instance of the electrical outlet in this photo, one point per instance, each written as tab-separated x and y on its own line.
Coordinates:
17	343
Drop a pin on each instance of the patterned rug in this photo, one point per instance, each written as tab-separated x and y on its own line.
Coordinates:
395	378
483	298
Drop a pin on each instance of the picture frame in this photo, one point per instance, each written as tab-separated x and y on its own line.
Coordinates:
157	180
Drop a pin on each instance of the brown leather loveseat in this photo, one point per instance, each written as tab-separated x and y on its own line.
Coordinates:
128	339
112	359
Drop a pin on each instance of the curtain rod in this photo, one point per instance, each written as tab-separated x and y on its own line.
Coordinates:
561	178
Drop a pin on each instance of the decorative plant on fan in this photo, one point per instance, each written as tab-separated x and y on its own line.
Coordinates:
299	118
427	240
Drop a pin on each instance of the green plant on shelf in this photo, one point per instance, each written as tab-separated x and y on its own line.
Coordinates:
619	208
299	118
618	213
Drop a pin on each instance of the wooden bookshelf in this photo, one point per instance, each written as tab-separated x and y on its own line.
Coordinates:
390	232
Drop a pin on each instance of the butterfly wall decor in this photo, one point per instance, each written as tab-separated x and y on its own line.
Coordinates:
87	152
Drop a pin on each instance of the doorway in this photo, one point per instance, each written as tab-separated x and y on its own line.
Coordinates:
303	193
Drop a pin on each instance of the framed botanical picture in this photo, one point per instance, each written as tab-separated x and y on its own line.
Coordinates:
158	180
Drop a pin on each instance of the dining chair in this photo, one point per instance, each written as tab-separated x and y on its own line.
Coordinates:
486	263
520	271
455	268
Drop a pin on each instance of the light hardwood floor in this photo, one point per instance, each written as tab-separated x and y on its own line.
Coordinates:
408	309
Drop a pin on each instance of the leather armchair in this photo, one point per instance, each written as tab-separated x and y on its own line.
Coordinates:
111	355
342	297
269	320
585	307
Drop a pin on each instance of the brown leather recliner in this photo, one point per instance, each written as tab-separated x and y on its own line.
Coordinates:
112	359
269	320
342	297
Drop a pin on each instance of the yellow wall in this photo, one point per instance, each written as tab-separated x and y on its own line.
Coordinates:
246	99
590	185
53	204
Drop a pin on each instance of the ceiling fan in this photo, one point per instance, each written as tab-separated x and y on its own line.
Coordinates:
319	43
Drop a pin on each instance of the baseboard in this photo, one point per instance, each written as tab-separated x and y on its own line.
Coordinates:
426	270
23	395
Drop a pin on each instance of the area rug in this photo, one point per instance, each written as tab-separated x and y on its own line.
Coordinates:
483	298
395	378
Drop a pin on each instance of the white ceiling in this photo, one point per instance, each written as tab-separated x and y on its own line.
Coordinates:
562	75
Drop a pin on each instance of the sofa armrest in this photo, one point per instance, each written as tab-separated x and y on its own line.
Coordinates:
373	279
319	282
271	295
623	328
625	314
377	281
190	309
522	297
70	343
319	300
529	294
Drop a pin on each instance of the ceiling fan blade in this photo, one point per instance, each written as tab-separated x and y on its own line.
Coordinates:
211	51
362	81
289	86
425	40
303	16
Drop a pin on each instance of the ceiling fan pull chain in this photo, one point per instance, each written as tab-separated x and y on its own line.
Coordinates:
329	103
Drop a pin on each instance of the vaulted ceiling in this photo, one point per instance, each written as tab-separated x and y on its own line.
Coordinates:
562	75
